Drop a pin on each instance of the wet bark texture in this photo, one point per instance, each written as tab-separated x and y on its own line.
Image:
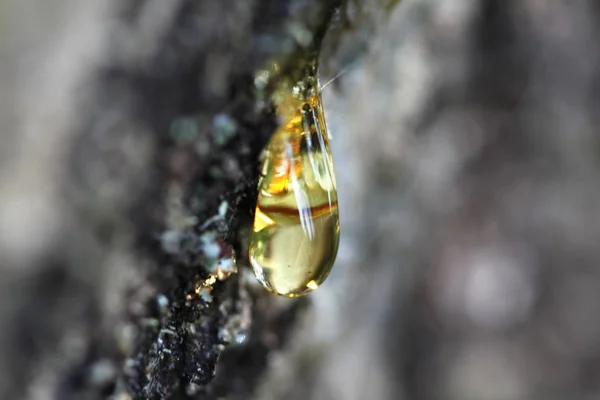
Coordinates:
465	144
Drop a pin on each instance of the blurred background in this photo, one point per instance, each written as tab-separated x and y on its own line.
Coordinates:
465	142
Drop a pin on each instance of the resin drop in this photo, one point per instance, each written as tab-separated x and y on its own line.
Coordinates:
296	230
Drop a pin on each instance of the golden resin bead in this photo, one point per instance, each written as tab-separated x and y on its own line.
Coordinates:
296	231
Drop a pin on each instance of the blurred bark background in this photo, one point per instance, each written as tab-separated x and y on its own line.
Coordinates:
465	144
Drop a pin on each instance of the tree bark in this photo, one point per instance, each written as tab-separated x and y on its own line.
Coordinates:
465	147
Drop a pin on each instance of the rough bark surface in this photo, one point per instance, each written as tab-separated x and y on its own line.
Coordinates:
465	144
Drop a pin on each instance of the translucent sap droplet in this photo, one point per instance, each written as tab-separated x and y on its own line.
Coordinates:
296	227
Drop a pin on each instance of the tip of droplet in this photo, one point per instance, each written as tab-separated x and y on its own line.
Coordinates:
312	285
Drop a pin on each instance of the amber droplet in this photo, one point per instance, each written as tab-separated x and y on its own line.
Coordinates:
296	226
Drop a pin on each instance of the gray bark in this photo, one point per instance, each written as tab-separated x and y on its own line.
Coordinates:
465	147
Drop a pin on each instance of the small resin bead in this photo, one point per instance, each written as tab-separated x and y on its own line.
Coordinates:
296	231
